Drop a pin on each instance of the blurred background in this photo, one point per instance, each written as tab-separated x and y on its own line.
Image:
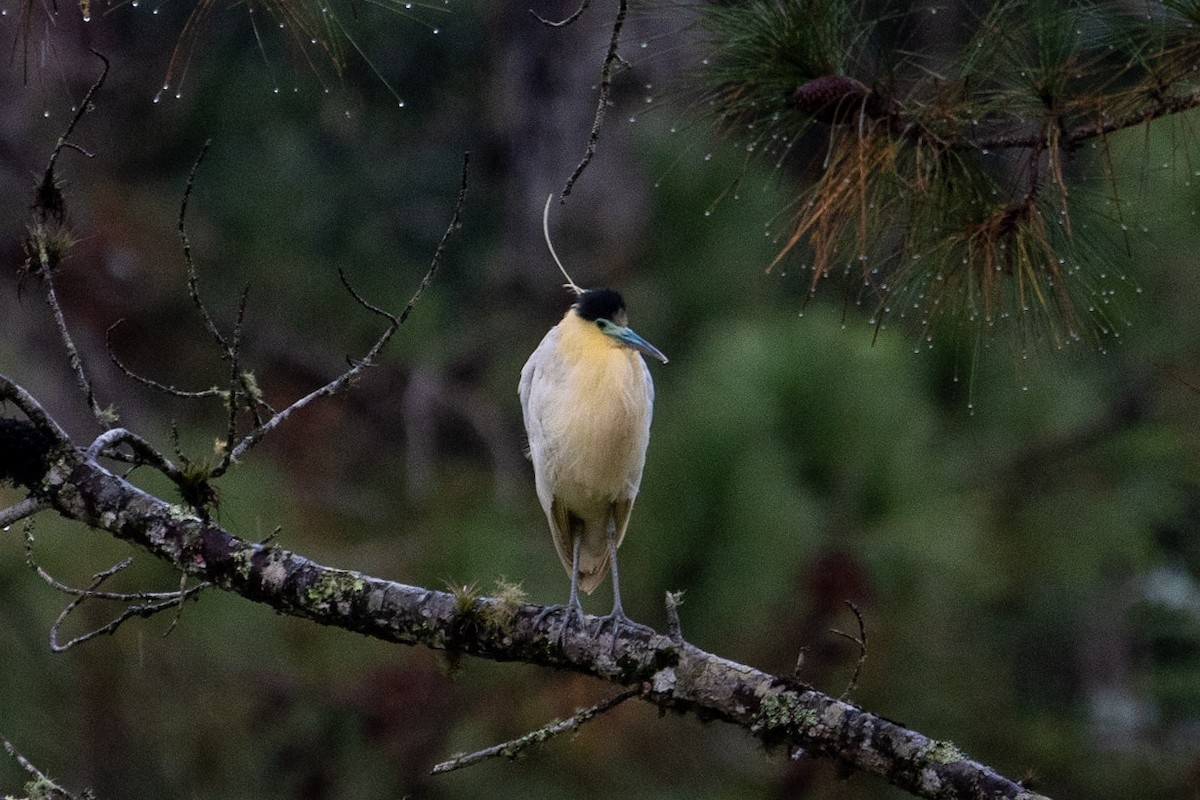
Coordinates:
1019	529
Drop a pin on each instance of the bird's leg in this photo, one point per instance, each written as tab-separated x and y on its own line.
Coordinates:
572	609
617	616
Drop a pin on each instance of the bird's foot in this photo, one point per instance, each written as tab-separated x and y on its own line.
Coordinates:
570	611
620	622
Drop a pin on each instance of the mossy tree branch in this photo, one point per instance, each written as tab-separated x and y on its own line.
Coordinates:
668	672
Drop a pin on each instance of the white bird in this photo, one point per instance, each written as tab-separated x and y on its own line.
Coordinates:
587	398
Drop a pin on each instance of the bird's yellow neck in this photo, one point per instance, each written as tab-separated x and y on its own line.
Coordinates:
582	341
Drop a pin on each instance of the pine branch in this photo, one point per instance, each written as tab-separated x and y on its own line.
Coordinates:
899	141
666	670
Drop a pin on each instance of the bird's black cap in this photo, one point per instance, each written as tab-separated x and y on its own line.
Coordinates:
597	304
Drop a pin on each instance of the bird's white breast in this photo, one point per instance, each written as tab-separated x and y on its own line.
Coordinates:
587	411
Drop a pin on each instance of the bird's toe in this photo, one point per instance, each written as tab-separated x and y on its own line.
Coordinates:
571	613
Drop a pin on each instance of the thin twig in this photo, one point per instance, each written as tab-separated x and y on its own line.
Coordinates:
674	629
46	787
861	641
33	410
236	383
142	604
340	382
183	577
193	278
150	382
566	20
26	508
144	453
20	759
436	261
512	749
49	203
111	626
104	418
602	102
84	107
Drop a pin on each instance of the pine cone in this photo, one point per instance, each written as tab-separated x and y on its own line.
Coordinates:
835	99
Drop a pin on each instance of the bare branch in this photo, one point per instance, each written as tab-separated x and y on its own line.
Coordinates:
393	320
515	747
45	787
861	641
21	760
33	410
340	382
149	382
237	383
566	20
26	508
673	675
46	244
193	278
84	107
143	452
177	599
142	604
105	419
602	102
450	229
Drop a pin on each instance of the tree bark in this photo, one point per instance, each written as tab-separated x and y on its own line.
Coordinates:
669	672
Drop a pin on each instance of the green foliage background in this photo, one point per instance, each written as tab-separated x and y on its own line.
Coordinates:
1020	532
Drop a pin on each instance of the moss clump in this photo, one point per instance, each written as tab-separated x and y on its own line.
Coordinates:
498	615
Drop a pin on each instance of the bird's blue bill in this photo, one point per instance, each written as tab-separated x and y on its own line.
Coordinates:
627	336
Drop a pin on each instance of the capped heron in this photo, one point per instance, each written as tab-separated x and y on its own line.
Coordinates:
587	399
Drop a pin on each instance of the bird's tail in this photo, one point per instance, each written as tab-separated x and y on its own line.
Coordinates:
593	544
593	551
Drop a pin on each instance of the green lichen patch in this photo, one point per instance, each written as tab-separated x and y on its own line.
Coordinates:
781	716
941	752
333	589
243	561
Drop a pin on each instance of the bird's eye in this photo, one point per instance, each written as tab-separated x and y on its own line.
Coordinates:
601	324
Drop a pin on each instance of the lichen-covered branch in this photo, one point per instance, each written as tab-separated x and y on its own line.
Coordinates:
40	786
667	671
514	748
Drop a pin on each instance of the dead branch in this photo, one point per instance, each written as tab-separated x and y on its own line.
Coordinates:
671	674
150	383
565	21
47	243
394	322
140	604
41	786
515	747
26	508
611	57
861	641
